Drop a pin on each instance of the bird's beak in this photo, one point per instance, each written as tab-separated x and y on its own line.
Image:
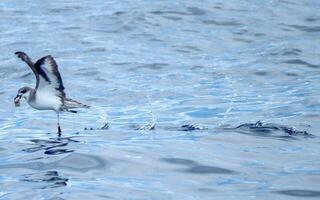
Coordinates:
17	100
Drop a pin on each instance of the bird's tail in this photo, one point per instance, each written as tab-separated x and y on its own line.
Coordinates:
70	103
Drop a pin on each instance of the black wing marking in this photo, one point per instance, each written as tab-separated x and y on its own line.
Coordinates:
25	58
49	76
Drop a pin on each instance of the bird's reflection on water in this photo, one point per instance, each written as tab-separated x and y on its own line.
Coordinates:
52	161
51	146
50	179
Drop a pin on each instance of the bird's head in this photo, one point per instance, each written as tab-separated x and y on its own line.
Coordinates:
22	92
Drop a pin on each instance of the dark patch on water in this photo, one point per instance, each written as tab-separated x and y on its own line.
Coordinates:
222	23
311	19
158	12
218	7
259	34
243	40
196	11
195	168
179	161
87	73
269	129
153	66
191	127
300	193
293	52
197	67
187	49
203	169
96	49
118	13
62	9
306	28
288	2
57	151
261	73
51	179
120	63
182	51
300	62
173	18
287	29
72	28
51	146
291	74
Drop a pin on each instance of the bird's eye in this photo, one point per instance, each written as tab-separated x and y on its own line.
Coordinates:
23	91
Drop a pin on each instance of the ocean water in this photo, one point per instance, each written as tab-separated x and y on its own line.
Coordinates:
189	100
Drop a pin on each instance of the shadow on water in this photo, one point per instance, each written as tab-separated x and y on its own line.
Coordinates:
299	193
195	168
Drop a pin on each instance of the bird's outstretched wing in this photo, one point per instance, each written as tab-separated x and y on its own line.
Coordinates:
46	72
49	76
25	58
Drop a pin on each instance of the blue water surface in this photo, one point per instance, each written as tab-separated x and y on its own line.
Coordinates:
204	100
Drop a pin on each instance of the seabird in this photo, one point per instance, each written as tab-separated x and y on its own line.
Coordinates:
49	91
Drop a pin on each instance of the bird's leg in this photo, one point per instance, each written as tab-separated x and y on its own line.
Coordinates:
58	123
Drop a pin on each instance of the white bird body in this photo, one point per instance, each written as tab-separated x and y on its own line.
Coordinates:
46	101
